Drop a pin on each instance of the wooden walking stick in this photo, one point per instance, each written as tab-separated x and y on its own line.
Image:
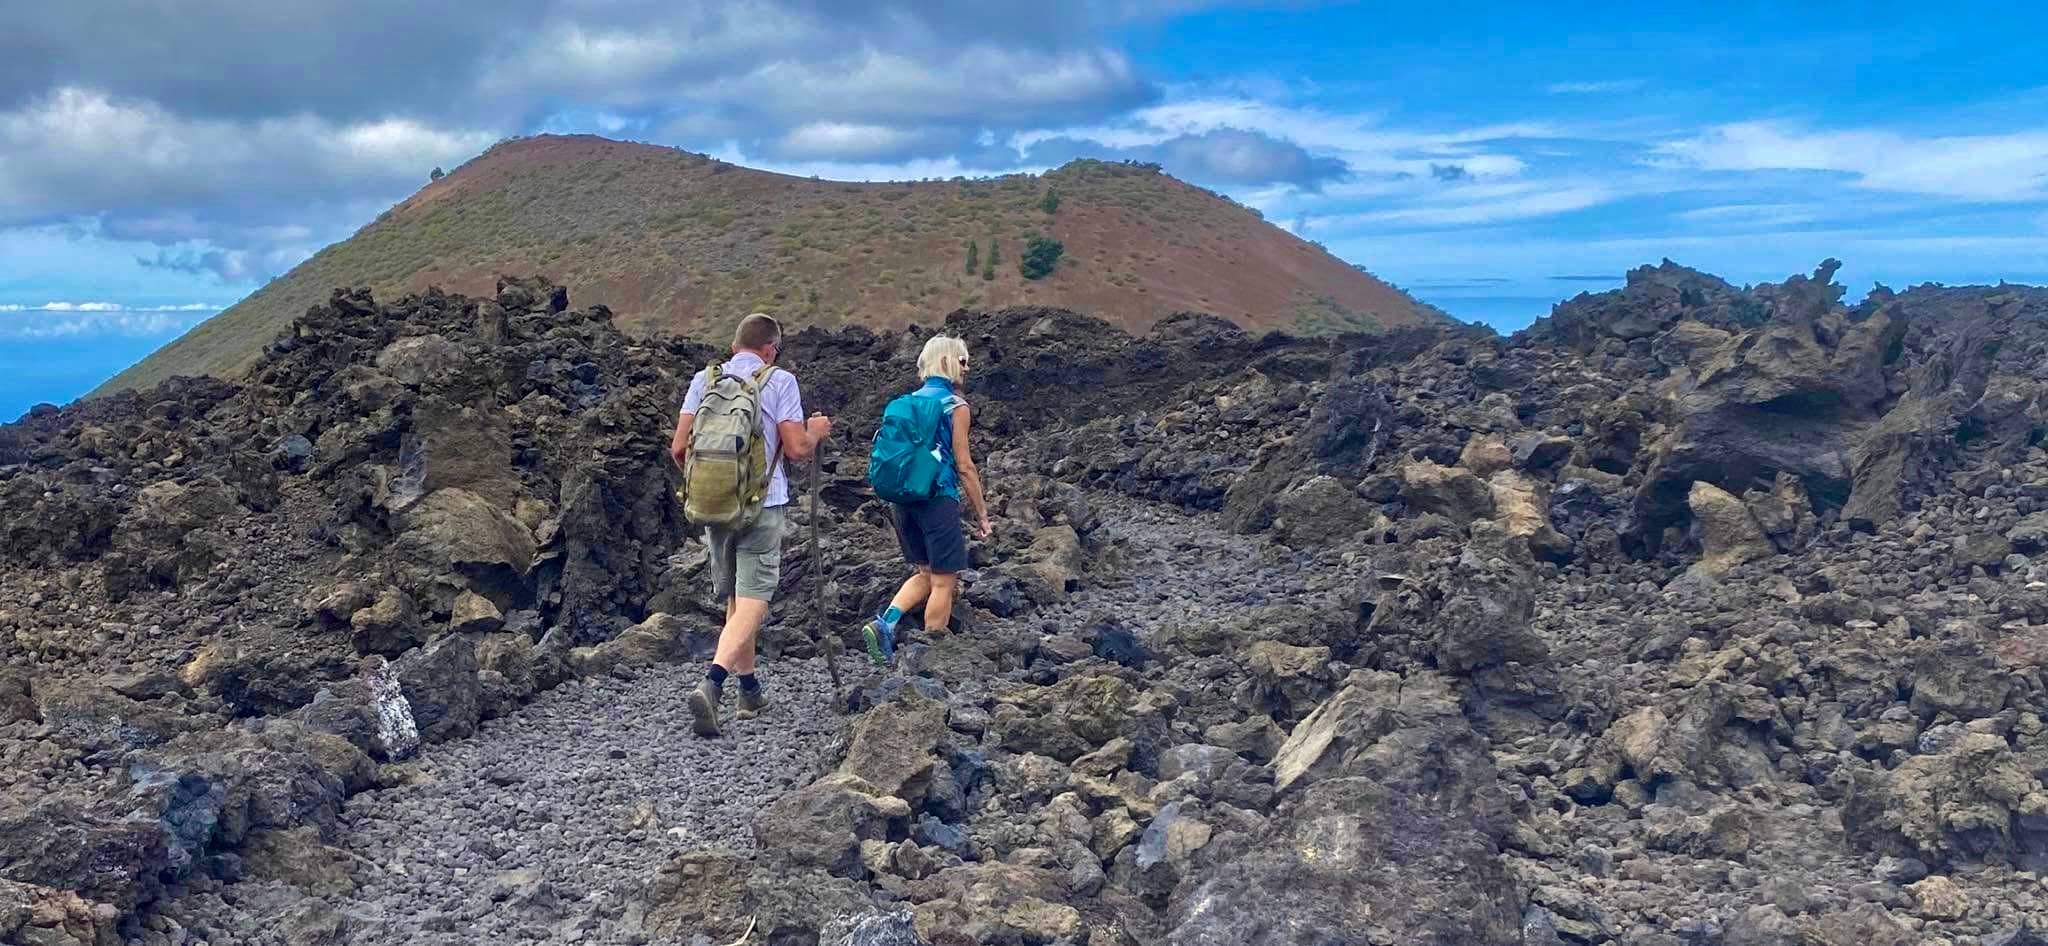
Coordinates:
822	633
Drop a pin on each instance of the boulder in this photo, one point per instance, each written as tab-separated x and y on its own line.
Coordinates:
422	360
41	916
370	711
440	685
1351	859
1729	535
994	904
1486	618
1536	452
1522	507
1056	558
2030	534
474	614
1322	511
1975	800
1288	679
822	824
1485	455
1069	718
893	744
720	895
662	638
388	627
456	532
1454	493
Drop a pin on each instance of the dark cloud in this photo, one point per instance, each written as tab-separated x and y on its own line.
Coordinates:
1226	156
1449	172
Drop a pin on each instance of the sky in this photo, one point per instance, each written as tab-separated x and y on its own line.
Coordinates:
160	161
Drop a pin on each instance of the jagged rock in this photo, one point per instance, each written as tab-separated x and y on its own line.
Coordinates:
421	360
660	638
388	627
459	532
254	681
440	685
16	701
822	824
96	719
1486	620
1535	452
1785	513
892	746
1321	511
1485	455
996	904
1730	536
1938	898
1976	800
1056	558
1454	493
718	894
370	711
41	916
1412	868
1522	506
1068	719
2030	535
475	614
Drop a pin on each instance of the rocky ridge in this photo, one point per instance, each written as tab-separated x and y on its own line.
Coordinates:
1695	614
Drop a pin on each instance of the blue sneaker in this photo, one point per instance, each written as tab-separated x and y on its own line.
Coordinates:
881	642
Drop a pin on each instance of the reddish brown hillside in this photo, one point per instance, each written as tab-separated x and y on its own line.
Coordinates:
677	241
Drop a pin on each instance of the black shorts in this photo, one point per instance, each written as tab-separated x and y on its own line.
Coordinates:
931	534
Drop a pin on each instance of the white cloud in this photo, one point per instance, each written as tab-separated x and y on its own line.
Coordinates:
1766	216
81	307
1595	87
45	324
844	140
1470	206
2002	167
78	151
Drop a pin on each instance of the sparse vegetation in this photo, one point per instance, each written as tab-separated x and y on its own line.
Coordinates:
1041	256
669	246
1050	203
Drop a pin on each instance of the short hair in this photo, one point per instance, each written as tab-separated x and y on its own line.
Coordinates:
944	357
757	331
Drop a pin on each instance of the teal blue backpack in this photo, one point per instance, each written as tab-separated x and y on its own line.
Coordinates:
904	464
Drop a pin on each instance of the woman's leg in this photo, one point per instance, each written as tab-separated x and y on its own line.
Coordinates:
938	609
914	590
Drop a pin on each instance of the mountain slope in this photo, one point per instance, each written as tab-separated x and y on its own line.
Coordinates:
679	242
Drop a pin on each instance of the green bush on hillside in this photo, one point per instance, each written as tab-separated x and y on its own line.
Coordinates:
973	257
1050	203
1041	255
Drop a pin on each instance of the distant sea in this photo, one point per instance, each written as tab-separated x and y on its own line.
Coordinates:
1507	314
55	357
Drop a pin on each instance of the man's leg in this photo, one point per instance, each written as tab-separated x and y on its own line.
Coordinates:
742	630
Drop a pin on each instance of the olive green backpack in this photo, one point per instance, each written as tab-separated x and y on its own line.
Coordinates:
725	475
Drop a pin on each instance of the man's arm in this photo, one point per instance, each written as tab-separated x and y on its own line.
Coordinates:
800	440
679	446
785	403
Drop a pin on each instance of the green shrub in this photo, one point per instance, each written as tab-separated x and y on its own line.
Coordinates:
436	174
1041	255
1050	203
973	257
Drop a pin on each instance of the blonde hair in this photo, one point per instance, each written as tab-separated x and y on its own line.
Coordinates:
944	357
757	331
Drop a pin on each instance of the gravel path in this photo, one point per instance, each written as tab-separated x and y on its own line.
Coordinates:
536	829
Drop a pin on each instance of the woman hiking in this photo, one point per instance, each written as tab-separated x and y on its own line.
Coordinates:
931	422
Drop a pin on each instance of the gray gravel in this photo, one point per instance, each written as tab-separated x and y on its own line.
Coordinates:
539	828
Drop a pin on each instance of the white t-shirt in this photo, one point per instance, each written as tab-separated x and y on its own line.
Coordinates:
780	401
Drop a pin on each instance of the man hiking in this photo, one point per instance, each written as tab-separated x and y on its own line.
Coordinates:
739	422
921	464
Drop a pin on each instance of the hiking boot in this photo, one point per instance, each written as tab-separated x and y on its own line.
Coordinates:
704	710
752	702
881	642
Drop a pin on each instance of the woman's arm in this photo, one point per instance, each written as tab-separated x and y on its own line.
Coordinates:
970	475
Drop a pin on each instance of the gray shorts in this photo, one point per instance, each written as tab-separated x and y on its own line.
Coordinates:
747	563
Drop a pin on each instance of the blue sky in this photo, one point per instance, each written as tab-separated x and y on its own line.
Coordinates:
1491	158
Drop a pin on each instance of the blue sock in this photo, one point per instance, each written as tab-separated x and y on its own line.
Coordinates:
716	674
888	618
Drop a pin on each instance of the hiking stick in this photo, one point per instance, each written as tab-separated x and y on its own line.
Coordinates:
822	633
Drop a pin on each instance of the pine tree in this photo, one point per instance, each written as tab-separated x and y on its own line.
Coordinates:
1050	203
995	255
437	175
973	254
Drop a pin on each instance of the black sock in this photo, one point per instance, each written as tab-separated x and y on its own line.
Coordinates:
748	684
716	675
